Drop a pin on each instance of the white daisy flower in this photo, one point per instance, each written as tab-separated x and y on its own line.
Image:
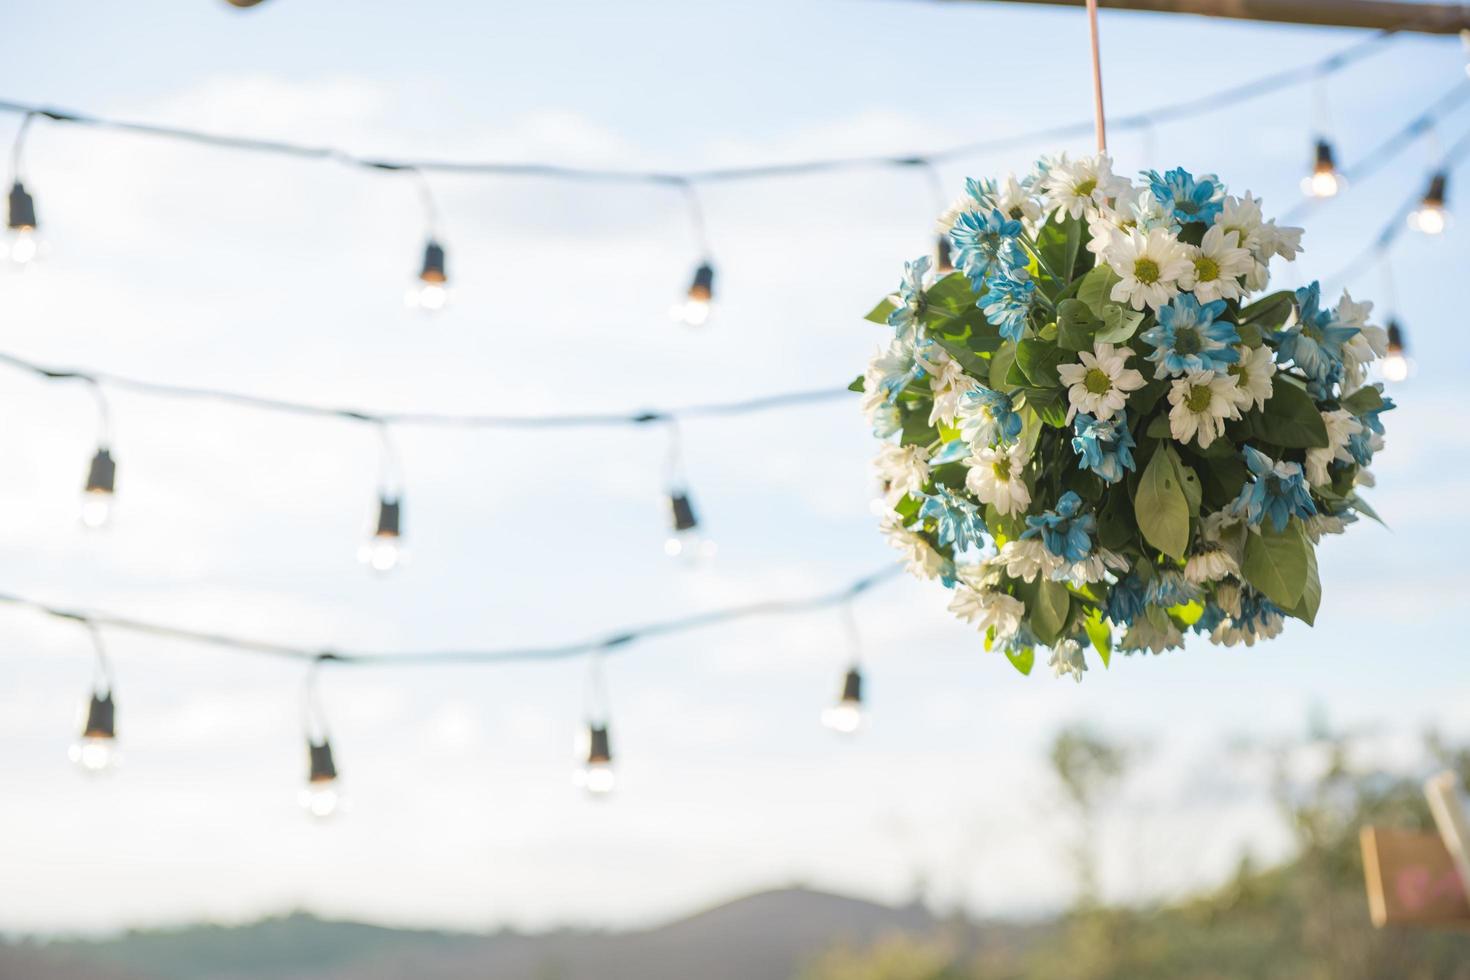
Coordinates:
1252	374
987	609
1202	401
902	469
1095	566
1216	266
1319	525
1283	241
1145	635
890	362
1210	563
1025	558
1242	215
1100	384
995	477
1369	343
1365	478
1066	658
1341	426
1015	201
1143	212
948	383
1076	186
1227	597
1150	266
922	561
1228	634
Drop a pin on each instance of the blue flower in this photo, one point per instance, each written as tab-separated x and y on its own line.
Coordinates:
957	521
887	420
1170	588
1255	610
1105	447
905	319
1191	337
987	417
1006	302
1126	600
1194	199
1064	533
986	243
1278	492
1212	616
1315	342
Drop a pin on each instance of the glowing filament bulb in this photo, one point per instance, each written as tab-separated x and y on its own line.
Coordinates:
847	715
430	291
695	309
596	774
1396	365
322	795
97	495
96	749
384	548
23	245
1430	217
1324	180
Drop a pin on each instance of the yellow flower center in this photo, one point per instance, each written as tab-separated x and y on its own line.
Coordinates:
1002	468
1146	271
1086	187
1199	398
1206	269
1187	341
1096	380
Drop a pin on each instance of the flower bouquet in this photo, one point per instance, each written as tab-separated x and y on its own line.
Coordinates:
1096	434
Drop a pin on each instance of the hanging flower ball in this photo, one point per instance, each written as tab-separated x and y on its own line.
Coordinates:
1095	433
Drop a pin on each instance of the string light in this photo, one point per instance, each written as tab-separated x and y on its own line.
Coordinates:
1396	366
430	290
686	538
96	749
595	774
322	795
97	494
1430	216
383	548
1324	180
848	715
22	243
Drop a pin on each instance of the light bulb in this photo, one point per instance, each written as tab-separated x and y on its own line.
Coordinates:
1396	365
97	494
847	715
1430	217
943	261
685	539
695	309
322	795
596	774
23	245
96	749
1324	181
430	291
384	549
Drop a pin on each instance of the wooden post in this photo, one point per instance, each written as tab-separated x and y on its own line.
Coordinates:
1381	15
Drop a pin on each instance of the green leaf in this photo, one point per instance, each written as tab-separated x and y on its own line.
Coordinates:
1048	610
1189	480
1101	635
1038	360
1276	563
1096	289
858	385
916	428
973	363
1223	479
1000	367
1290	419
1361	506
879	313
1075	325
1050	405
1119	323
1306	610
1161	507
1023	660
1363	400
1269	312
1144	399
1158	428
1115	520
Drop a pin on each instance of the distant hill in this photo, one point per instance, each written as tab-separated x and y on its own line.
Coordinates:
767	936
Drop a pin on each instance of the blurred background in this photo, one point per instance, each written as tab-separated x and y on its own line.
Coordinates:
1193	814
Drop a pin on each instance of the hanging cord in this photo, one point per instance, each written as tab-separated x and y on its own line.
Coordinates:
18	145
698	227
854	635
595	696
934	180
1097	89
102	679
676	479
390	464
104	414
1390	294
313	716
1321	105
430	205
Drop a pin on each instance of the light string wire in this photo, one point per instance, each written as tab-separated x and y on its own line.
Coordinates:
1397	224
100	379
605	644
1188	108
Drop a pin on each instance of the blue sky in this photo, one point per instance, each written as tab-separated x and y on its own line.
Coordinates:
283	277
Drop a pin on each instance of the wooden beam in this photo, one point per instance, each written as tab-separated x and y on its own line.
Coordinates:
1380	15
